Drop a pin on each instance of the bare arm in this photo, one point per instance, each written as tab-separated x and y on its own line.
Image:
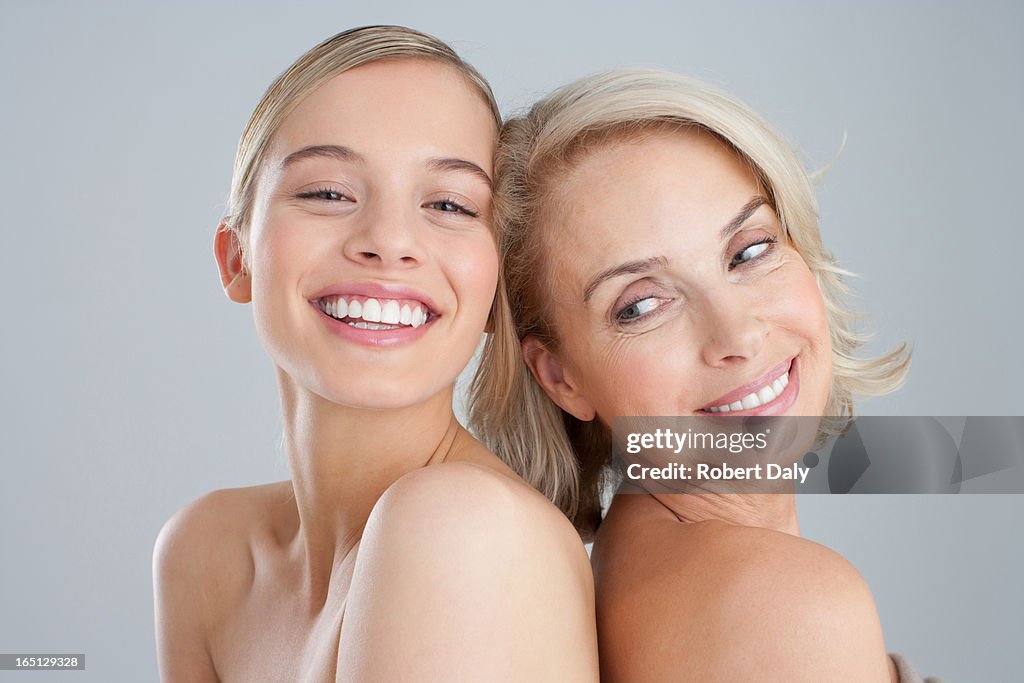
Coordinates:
181	618
466	576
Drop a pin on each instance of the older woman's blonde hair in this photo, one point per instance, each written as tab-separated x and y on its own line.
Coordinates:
334	56
509	411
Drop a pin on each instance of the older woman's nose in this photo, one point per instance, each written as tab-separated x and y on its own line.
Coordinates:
734	332
384	236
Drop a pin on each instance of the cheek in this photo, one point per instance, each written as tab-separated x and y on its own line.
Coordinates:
473	270
634	376
804	316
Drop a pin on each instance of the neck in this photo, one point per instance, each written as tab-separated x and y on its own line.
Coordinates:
342	460
765	510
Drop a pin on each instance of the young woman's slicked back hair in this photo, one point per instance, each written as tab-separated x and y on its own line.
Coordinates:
508	409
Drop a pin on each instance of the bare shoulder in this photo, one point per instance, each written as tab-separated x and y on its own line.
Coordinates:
202	565
476	570
499	504
737	602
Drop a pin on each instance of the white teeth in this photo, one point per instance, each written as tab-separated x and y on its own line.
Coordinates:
390	313
372	326
371	311
767	394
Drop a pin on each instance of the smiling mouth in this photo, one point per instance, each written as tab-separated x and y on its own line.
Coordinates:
755	399
369	313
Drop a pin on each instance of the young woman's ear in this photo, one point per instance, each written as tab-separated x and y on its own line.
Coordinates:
559	384
234	276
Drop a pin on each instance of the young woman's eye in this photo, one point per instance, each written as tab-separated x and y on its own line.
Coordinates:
451	206
325	194
637	309
751	252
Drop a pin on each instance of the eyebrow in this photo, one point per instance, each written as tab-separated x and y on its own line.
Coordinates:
450	164
746	212
342	153
338	152
648	264
627	268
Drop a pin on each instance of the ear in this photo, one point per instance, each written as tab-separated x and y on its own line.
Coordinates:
234	276
557	383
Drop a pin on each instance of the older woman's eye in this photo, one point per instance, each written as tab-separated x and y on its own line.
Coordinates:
751	252
637	309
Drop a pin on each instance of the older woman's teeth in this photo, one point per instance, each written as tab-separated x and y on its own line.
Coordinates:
767	394
366	314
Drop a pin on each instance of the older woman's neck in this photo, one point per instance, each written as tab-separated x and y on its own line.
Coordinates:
775	511
343	459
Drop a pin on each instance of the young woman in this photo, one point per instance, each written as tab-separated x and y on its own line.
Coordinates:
360	230
662	257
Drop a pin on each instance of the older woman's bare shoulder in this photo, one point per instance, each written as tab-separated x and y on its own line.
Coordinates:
475	570
730	602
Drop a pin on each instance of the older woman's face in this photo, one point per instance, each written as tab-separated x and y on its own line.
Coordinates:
675	292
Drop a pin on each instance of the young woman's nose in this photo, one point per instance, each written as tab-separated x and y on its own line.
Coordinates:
734	329
385	235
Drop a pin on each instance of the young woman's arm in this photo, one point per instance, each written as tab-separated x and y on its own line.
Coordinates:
464	575
181	560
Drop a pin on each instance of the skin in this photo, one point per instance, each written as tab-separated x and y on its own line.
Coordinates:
709	587
401	549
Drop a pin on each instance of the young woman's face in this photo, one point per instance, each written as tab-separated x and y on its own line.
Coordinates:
675	292
373	261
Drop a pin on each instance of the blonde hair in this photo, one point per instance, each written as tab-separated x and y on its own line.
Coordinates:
336	55
510	411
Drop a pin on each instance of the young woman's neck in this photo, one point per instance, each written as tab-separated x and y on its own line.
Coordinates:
342	460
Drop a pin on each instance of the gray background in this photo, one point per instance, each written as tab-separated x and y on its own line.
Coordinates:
131	385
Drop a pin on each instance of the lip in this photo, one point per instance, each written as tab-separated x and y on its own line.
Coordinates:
375	338
377	290
782	402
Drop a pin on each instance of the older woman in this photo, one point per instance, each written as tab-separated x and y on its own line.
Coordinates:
662	256
401	549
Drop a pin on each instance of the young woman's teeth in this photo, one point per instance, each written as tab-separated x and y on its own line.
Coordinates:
374	314
767	394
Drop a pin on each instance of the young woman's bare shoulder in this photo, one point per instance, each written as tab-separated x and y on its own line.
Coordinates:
202	566
727	602
478	572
